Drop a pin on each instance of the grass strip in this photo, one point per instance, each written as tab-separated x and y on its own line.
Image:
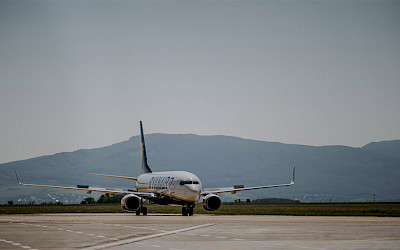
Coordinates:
302	209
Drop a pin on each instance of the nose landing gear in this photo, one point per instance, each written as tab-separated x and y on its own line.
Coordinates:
187	210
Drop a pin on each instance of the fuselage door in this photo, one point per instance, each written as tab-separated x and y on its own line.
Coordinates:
172	187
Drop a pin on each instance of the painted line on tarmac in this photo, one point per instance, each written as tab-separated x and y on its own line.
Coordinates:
51	227
127	241
17	244
327	243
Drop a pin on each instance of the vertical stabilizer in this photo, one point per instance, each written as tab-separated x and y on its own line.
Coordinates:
145	166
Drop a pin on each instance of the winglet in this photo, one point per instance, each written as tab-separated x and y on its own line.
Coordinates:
292	182
17	176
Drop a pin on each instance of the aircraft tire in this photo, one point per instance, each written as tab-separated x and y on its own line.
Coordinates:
184	211
144	210
138	212
190	211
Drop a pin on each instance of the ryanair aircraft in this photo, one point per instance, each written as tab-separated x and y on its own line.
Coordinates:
164	188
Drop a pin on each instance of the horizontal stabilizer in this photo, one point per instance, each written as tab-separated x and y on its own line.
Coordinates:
116	176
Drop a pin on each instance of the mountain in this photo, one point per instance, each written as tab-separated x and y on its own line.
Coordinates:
391	148
336	173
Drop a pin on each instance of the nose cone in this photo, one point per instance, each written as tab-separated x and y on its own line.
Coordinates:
195	190
193	187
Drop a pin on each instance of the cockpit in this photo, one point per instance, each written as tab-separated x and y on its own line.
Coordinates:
188	182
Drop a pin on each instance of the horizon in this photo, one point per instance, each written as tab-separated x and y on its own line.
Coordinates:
138	136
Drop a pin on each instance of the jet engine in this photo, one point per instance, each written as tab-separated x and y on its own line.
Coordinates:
212	202
131	202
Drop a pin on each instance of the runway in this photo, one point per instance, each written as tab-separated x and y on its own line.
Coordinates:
127	231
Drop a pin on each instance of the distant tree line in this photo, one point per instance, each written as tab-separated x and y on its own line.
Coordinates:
275	201
108	199
104	199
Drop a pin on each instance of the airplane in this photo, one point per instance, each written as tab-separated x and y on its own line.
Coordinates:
163	188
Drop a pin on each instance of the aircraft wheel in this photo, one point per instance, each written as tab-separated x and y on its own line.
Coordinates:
184	211
190	211
144	210
138	212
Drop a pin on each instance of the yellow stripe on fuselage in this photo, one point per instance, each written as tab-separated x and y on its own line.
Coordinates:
155	191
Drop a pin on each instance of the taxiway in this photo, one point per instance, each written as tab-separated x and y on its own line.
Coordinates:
127	231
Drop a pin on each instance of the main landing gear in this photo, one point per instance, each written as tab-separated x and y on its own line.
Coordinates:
187	210
142	210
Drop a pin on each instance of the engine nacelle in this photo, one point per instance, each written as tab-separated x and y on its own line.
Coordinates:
212	202
131	202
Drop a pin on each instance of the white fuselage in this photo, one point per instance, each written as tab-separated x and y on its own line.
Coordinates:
173	186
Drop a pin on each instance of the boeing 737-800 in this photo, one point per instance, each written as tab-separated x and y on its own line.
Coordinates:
163	188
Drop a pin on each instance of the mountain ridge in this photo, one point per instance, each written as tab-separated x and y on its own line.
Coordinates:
323	173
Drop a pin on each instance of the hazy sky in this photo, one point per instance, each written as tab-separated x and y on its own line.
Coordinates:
81	74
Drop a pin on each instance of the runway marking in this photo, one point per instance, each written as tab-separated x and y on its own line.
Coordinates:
9	220
133	227
218	237
44	226
337	242
310	247
215	236
127	241
16	244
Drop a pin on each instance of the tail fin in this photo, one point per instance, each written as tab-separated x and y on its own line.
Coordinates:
145	166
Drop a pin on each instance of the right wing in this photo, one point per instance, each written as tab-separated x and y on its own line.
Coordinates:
233	190
92	189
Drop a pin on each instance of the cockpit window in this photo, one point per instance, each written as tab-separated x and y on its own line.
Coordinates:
189	182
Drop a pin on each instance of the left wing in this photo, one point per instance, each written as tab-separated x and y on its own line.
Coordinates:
91	189
233	190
